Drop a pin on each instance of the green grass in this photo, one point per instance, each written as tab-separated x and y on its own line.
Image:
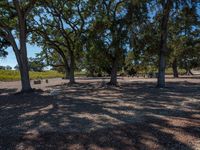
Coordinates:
12	75
169	71
80	74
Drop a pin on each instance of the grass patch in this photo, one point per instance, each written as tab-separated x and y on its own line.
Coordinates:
12	75
169	71
80	74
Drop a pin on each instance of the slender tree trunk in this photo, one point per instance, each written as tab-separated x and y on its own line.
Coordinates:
72	65
189	72
175	69
163	44
113	79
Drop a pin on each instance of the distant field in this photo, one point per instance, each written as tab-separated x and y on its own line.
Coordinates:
12	75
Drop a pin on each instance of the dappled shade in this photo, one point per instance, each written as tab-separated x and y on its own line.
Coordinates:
89	116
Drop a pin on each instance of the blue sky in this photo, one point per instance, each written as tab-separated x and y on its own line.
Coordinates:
11	60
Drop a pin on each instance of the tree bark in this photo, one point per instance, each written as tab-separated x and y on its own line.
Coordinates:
23	60
161	73
24	74
67	73
113	79
175	69
71	70
163	44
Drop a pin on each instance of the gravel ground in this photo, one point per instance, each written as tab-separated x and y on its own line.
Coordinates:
91	115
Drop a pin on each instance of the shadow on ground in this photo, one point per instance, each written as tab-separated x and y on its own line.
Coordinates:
3	91
89	116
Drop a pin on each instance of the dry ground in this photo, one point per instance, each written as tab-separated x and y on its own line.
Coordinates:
89	115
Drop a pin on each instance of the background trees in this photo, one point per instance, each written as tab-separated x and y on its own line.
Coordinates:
102	37
183	38
36	64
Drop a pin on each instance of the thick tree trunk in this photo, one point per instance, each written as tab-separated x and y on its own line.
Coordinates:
24	73
163	44
72	65
113	79
67	72
21	50
161	73
23	62
175	69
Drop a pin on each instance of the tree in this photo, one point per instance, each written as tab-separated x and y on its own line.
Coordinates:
36	64
8	67
3	45
184	38
63	30
14	15
16	67
166	6
95	60
52	58
2	68
110	30
169	8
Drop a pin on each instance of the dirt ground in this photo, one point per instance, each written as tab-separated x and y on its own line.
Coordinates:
91	115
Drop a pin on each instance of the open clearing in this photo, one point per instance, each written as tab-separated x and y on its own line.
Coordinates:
89	115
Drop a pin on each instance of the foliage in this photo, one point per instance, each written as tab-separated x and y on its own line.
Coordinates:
36	64
103	37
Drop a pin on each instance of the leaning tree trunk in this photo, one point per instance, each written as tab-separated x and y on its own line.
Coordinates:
163	44
72	65
189	72
113	79
175	68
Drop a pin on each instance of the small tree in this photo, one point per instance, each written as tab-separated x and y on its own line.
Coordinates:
8	67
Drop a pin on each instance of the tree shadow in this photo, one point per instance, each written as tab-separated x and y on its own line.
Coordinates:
86	116
7	91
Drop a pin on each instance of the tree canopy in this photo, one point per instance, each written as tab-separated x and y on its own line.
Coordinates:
103	37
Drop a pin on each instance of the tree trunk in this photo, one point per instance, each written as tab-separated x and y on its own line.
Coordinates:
24	73
163	44
175	69
67	72
67	68
161	73
23	64
21	50
72	65
189	72
113	79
